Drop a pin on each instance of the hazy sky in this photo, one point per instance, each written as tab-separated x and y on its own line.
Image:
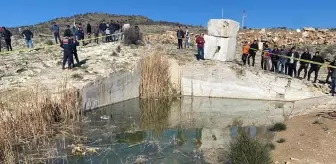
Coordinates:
260	13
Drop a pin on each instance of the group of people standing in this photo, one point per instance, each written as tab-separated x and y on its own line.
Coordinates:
107	30
7	35
183	35
73	36
285	61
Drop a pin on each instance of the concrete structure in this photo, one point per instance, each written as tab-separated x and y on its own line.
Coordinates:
232	81
115	88
220	43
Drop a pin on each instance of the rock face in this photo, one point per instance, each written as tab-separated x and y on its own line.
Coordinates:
218	48
223	28
220	43
235	82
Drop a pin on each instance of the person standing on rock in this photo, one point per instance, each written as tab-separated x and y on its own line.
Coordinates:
88	31
245	52
102	28
74	51
315	67
80	33
74	30
292	54
187	38
1	33
67	45
28	35
275	59
266	57
6	34
67	32
254	47
282	60
180	37
96	33
304	65
200	47
55	30
333	77
107	32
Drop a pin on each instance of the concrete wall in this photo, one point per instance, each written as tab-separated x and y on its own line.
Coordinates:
233	81
115	88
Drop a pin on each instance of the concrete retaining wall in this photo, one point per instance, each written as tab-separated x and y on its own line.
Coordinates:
117	87
233	81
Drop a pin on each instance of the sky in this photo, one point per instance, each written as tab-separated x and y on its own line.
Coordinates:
260	13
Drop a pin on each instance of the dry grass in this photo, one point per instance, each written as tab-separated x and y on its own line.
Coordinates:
155	75
29	119
155	114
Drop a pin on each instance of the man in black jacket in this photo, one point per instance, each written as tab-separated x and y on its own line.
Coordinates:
315	67
292	62
88	31
304	65
28	35
253	51
275	58
7	36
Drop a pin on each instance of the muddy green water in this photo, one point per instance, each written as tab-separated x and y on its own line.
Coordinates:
188	130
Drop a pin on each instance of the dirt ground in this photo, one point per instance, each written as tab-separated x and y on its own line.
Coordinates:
309	139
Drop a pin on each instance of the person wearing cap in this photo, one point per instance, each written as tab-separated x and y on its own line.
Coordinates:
315	67
67	45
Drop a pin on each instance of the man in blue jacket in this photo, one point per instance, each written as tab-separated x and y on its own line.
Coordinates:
55	29
28	35
102	28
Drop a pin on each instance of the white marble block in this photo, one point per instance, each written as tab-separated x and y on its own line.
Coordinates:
226	28
217	48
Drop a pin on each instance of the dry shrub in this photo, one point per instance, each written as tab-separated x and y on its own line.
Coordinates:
155	75
28	120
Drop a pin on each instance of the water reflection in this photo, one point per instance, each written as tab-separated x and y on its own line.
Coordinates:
189	130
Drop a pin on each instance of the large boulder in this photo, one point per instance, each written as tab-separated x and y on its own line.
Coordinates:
217	48
223	28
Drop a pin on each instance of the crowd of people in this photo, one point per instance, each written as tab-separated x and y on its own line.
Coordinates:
285	61
107	30
111	31
7	35
185	36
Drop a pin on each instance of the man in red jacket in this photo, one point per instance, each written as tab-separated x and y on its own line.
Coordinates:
200	47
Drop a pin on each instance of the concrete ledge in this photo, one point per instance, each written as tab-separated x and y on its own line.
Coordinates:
229	81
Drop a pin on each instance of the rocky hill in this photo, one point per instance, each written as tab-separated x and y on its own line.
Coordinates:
93	18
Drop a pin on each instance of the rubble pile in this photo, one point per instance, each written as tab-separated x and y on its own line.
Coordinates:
309	35
306	36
